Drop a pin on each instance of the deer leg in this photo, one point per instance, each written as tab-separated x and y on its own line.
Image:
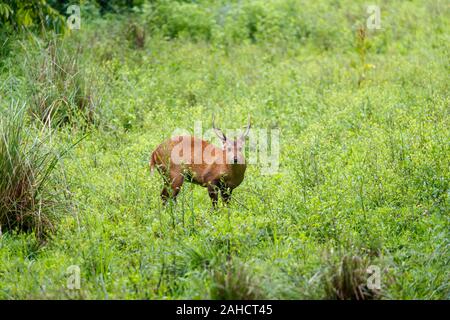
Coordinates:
171	189
177	182
165	194
226	195
213	194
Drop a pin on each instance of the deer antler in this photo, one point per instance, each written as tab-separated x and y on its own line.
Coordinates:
247	129
218	132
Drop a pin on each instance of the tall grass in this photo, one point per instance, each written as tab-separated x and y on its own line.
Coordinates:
26	165
60	90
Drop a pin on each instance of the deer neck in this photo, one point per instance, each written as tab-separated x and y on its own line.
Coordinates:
235	174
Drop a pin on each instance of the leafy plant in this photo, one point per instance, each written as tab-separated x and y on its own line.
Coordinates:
18	14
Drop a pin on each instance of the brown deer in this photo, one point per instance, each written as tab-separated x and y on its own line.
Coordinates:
195	160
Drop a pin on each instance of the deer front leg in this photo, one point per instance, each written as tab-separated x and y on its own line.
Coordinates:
226	195
213	194
171	190
165	194
177	182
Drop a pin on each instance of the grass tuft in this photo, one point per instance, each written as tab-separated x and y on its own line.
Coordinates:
234	281
61	92
346	279
26	165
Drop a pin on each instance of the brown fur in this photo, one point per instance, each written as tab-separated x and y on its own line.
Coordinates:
211	172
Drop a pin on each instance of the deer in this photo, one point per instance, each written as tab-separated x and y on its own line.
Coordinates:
188	158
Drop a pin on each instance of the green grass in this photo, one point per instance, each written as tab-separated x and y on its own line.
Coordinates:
364	163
